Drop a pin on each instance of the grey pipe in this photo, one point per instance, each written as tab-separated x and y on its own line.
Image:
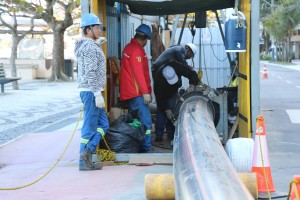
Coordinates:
202	169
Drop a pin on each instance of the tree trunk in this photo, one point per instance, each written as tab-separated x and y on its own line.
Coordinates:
12	60
266	37
286	56
58	62
290	50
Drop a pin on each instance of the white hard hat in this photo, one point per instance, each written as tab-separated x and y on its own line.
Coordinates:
170	75
192	47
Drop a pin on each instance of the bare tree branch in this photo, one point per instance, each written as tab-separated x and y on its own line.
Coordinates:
4	23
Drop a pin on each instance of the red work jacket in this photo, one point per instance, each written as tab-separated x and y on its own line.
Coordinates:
134	75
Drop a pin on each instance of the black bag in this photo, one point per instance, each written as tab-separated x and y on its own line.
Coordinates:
122	137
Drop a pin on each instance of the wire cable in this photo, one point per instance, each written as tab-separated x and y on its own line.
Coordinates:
294	183
263	165
210	43
192	28
204	61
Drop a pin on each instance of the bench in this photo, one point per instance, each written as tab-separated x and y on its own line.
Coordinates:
3	79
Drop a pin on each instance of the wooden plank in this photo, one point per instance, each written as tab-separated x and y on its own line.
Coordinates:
232	131
127	157
150	159
167	38
108	163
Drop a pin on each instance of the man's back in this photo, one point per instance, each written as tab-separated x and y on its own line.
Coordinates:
175	52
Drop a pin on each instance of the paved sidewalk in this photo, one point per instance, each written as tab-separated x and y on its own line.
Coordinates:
295	65
45	114
29	158
30	111
38	103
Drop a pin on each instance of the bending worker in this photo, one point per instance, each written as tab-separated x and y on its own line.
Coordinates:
91	83
135	84
167	81
177	52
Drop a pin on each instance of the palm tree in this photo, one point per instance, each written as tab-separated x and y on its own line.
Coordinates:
266	8
281	24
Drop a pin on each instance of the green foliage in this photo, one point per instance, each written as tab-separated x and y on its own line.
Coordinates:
275	25
13	10
266	7
22	2
39	9
281	22
265	56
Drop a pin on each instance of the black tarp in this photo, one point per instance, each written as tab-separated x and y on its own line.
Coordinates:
171	7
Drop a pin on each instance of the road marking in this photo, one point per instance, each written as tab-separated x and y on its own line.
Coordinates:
279	77
289	82
297	86
289	143
294	116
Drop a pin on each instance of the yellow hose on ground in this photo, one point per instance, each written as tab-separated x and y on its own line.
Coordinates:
53	166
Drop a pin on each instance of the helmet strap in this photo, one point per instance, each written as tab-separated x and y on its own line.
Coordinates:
94	37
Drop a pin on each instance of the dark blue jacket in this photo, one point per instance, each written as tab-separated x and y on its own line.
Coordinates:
164	91
175	52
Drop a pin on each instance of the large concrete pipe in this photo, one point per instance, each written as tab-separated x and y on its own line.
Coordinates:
202	170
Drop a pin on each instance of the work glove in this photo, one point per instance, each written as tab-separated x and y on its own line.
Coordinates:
170	116
191	88
147	98
101	40
99	101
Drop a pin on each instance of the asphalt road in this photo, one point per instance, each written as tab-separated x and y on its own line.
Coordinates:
280	106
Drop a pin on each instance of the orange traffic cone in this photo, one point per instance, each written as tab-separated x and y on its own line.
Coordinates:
260	163
264	72
295	184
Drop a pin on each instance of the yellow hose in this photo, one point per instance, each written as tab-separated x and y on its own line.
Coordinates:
53	166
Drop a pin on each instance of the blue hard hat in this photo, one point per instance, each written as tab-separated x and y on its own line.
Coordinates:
89	19
144	29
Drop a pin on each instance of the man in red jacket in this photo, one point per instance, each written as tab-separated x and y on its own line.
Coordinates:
135	86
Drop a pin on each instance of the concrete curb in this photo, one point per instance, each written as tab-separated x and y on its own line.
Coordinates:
294	66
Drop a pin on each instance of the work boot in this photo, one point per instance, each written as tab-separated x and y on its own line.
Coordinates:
86	157
170	136
158	138
83	167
